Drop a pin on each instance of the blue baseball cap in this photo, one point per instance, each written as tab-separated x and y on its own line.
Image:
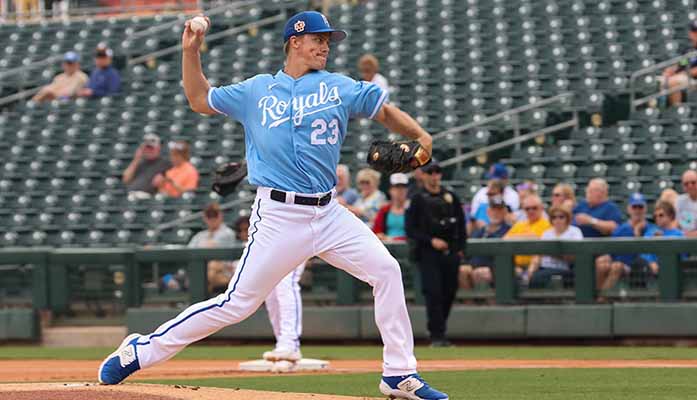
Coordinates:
310	22
637	199
497	171
71	57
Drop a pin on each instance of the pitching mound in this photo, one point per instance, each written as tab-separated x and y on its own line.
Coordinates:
90	391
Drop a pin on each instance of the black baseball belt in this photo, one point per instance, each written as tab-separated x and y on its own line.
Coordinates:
279	195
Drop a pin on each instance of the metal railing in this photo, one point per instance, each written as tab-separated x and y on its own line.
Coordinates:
634	102
199	214
514	116
19	96
209	38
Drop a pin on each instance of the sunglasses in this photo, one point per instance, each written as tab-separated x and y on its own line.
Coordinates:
364	182
557	194
689	183
661	215
531	208
638	207
433	172
490	194
560	216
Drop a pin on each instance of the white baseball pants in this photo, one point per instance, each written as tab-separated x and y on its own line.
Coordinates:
285	308
281	236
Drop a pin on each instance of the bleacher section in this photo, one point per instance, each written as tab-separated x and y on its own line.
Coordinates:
448	62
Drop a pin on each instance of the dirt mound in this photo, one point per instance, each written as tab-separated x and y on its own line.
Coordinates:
88	391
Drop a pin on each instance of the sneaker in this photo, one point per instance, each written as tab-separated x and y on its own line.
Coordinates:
410	387
282	355
441	343
121	363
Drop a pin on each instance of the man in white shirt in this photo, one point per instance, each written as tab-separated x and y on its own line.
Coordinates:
368	66
686	204
217	234
510	196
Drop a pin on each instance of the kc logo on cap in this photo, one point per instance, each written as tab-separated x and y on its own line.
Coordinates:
299	26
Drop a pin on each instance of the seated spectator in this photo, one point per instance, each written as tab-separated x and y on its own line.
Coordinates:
510	196
664	216
686	205
480	217
480	271
182	177
242	229
525	189
543	268
532	227
368	66
146	164
563	196
104	79
389	221
597	216
623	264
371	199
677	75
217	234
65	84
345	194
669	195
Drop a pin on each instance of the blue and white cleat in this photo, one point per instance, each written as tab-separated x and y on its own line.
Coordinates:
411	387
121	363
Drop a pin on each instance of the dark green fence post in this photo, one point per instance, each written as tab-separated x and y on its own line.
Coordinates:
346	288
198	280
131	284
506	283
39	288
59	287
584	270
669	277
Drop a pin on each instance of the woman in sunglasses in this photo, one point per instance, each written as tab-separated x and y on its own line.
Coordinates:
542	268
368	205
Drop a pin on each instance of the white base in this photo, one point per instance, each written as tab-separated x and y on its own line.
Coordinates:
305	364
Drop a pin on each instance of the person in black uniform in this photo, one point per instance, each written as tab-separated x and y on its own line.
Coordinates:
435	227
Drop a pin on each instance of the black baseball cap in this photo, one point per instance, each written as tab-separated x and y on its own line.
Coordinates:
432	166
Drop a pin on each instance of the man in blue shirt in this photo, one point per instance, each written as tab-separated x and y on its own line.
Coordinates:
596	215
295	122
104	79
666	226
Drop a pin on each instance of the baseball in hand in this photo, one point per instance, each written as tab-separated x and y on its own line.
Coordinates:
198	24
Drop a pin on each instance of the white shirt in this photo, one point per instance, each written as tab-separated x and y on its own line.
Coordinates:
223	236
571	233
686	210
510	197
381	81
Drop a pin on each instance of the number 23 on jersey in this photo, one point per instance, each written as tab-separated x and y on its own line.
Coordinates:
324	132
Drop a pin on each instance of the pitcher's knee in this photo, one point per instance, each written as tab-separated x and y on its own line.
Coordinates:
389	271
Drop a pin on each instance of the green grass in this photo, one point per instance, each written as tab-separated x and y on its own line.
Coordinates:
542	384
375	353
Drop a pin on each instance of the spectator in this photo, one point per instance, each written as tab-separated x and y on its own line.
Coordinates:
532	227
146	164
367	206
482	266
677	75
217	234
65	84
563	196
416	184
667	226
480	217
543	268
596	215
25	9
623	264
525	189
669	195
686	205
182	176
368	66
510	196
104	79
242	229
346	195
389	222
435	225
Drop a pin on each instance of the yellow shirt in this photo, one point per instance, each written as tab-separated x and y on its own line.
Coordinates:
525	228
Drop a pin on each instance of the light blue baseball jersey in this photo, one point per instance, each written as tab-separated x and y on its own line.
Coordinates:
294	128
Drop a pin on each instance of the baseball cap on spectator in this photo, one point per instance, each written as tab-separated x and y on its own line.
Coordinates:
310	22
71	57
103	50
497	171
637	199
497	201
693	25
399	179
432	166
151	139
